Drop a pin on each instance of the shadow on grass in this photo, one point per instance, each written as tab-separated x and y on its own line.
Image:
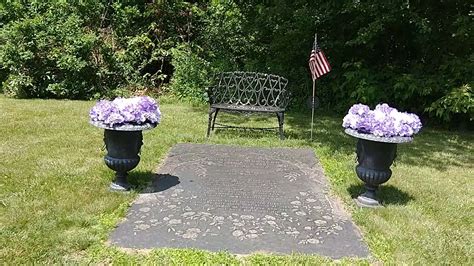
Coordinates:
387	194
149	182
439	150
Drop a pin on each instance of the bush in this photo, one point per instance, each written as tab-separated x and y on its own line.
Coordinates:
459	101
50	54
191	74
82	50
404	53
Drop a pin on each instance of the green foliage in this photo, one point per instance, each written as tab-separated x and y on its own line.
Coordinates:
459	101
144	35
50	54
404	53
225	43
81	50
191	74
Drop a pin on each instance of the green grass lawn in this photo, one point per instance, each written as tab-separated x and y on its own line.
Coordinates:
55	205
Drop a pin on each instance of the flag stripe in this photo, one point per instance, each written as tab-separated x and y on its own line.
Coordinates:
326	60
322	63
318	67
312	67
316	70
318	64
319	71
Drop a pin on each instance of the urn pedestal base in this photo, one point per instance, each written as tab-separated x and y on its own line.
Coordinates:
368	199
120	183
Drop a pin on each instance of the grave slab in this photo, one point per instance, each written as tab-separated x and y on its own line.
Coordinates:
242	200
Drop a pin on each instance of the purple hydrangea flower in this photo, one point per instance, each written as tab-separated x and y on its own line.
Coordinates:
383	121
353	118
359	109
385	108
136	110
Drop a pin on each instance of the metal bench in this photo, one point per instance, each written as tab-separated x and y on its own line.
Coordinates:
247	92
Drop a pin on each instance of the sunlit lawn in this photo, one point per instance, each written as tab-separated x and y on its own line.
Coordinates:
55	205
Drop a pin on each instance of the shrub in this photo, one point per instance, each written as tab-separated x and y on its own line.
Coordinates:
49	54
405	53
191	74
459	101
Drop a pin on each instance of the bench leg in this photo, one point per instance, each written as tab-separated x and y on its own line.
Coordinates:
211	111
281	117
214	119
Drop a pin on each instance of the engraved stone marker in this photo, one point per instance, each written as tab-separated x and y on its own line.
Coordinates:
242	200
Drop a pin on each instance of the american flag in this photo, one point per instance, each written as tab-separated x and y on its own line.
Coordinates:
318	64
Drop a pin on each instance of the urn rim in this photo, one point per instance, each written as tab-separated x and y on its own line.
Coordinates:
395	139
124	127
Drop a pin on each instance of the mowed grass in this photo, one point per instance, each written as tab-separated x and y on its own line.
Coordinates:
55	206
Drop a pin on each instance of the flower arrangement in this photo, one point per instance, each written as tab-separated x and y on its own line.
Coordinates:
126	111
383	121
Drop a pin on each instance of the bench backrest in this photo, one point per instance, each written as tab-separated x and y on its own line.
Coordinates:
249	88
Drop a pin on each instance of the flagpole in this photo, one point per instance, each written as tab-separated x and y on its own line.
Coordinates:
314	90
312	109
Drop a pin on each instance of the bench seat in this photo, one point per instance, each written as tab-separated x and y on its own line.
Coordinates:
248	108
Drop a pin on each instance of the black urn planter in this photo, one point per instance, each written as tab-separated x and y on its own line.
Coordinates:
375	155
123	144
